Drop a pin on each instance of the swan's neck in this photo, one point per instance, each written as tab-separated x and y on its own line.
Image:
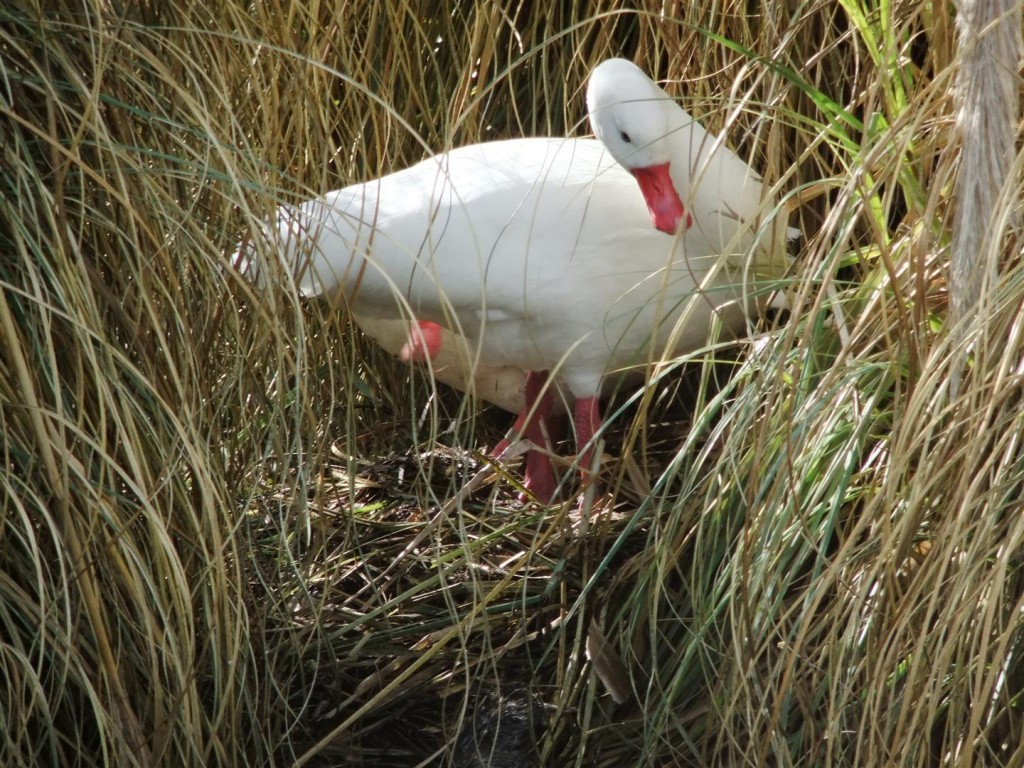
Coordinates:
694	150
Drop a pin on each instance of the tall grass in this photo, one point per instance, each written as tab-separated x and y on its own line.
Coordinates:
231	530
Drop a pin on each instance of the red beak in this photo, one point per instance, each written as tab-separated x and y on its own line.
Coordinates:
661	197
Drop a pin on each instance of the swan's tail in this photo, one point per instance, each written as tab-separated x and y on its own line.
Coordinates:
290	246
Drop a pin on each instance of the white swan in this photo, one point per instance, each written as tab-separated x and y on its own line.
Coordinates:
541	254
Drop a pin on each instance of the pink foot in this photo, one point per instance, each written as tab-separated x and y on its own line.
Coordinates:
424	342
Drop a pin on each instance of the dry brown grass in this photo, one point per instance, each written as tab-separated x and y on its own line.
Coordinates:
810	556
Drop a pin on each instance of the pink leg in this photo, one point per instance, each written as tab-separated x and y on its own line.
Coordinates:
588	422
531	423
540	477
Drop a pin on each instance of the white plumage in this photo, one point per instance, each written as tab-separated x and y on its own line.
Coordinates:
542	254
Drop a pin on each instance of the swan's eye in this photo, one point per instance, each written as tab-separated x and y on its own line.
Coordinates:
625	137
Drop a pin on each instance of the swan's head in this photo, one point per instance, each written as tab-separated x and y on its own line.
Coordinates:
630	115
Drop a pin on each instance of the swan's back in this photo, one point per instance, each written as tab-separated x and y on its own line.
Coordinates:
539	251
